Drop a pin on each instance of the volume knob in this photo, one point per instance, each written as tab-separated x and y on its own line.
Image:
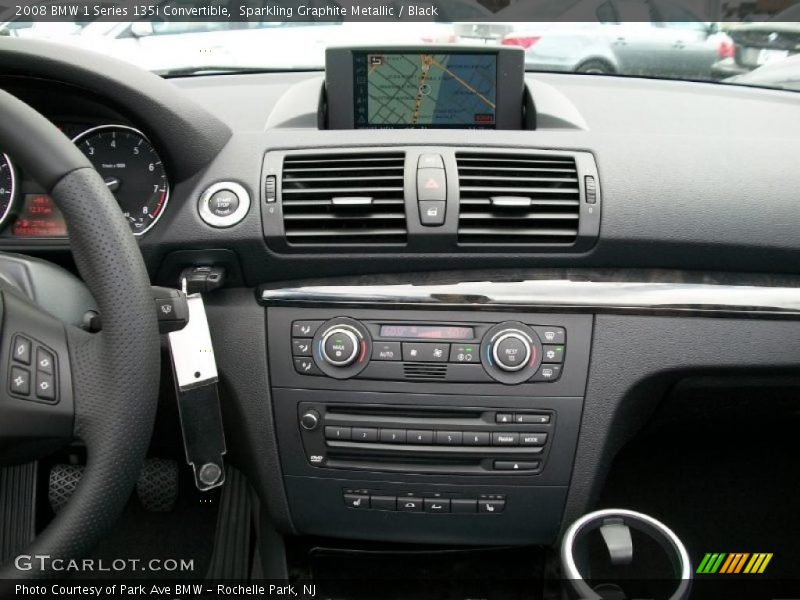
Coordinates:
340	346
309	420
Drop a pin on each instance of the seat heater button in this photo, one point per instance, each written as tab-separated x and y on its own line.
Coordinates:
356	501
491	506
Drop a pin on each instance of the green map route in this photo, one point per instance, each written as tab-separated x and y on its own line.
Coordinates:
432	89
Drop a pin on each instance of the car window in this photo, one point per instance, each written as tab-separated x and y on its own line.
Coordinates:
677	17
635	11
606	13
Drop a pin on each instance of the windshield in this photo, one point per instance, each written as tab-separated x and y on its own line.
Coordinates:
751	42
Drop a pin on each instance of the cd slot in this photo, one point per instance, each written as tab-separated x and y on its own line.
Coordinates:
433	459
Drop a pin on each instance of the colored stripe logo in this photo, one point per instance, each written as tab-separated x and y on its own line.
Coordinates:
734	563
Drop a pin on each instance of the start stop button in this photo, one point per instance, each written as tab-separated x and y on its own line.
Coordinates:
224	204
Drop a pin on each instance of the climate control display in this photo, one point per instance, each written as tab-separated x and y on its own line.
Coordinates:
510	352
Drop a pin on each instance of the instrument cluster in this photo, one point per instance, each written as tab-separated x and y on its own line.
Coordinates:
126	160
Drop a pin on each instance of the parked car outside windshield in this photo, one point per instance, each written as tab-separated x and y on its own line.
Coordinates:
641	38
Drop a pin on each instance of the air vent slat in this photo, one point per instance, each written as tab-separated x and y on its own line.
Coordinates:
524	217
338	191
344	199
487	190
517	198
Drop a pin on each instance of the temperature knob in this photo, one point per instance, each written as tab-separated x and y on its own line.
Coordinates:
340	346
512	350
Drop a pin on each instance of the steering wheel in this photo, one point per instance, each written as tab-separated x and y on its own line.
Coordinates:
60	382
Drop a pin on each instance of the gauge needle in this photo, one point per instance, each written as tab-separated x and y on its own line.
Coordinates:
112	183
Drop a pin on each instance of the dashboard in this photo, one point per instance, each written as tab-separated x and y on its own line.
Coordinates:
444	335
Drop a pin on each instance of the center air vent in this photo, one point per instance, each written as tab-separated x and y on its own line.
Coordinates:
344	198
518	198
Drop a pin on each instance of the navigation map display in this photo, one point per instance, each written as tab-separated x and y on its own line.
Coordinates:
441	90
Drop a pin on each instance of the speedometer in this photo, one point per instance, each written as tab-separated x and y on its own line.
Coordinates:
7	186
132	170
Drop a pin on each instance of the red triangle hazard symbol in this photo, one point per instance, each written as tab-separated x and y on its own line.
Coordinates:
431	184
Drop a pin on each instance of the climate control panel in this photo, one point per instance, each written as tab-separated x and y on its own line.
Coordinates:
509	352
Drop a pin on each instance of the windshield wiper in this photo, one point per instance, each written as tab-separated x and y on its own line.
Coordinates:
225	70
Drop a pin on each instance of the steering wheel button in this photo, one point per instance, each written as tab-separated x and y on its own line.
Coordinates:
20	381
45	387
44	361
21	350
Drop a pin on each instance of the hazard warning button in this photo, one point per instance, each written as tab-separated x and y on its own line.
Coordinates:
431	185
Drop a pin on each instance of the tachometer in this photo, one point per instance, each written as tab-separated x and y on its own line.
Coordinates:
132	170
7	186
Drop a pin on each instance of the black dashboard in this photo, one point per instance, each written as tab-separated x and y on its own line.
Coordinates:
445	335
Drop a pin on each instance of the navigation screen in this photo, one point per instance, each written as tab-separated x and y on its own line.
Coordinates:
455	90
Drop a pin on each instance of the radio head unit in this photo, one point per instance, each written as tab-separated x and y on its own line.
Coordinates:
443	87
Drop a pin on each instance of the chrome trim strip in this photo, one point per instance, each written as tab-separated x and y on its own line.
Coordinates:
589	296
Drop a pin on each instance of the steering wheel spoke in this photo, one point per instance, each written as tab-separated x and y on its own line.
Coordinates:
36	403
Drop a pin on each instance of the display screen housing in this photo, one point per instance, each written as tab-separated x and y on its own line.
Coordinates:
427	332
496	73
421	89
